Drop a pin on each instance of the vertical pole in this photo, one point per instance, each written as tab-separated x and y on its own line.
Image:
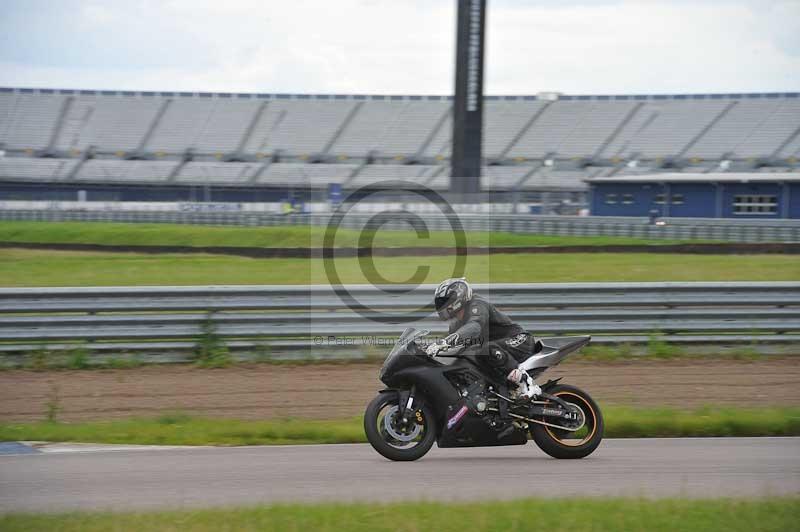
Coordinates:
468	101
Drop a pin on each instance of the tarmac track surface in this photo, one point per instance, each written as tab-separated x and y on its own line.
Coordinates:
80	477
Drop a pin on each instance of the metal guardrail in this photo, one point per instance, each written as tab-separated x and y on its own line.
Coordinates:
718	229
313	321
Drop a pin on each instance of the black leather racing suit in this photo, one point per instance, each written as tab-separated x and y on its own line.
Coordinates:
482	326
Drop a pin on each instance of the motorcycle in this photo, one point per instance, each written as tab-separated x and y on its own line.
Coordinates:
456	400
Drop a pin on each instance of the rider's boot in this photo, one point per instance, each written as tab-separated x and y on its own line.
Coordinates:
526	388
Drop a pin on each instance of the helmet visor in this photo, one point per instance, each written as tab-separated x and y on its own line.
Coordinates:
443	307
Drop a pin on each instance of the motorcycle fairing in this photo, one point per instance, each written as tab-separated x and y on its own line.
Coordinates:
430	383
472	430
553	351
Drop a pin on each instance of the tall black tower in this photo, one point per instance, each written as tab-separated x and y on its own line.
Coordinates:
468	100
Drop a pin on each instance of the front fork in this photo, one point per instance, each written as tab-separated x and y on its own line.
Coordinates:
407	413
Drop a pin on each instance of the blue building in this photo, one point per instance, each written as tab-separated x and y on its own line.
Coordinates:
720	195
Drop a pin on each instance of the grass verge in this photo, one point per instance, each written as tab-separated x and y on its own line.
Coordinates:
181	429
525	514
209	353
657	348
123	234
70	268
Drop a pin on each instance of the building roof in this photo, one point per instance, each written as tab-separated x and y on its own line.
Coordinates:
726	177
380	97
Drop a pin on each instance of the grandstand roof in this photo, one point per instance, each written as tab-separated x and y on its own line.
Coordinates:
732	177
401	97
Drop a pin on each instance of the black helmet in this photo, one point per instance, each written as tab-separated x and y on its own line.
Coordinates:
451	296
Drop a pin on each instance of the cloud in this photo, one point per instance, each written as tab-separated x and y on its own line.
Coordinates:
641	47
383	46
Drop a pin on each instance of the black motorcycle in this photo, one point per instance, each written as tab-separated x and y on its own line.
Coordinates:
456	400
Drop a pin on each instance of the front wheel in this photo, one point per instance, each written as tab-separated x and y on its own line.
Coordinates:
560	443
391	436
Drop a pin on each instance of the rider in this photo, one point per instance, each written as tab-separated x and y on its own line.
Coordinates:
475	321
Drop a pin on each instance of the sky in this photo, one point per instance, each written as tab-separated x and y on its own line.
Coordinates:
400	46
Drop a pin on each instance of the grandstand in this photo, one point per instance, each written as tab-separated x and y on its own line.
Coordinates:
109	142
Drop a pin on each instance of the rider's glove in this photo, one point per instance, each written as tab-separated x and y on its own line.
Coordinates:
440	345
434	348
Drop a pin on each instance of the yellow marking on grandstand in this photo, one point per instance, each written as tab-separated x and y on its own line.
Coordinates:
519	159
303	157
259	155
29	151
120	153
160	154
218	155
440	157
615	160
342	157
697	159
399	157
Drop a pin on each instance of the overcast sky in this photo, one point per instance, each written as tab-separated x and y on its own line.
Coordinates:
400	46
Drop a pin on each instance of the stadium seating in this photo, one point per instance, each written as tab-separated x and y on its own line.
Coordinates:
378	173
215	173
28	120
111	125
389	127
111	171
42	169
260	139
301	174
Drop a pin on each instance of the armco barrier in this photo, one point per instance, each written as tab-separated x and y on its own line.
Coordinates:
314	321
717	229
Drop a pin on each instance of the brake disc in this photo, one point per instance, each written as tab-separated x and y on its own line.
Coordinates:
388	423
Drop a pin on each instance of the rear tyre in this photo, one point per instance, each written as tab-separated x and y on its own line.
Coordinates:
568	444
391	437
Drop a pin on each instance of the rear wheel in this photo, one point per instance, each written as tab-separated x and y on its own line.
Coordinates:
579	443
394	438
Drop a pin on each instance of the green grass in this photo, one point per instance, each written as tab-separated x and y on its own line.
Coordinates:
180	429
70	268
624	422
613	515
657	349
43	359
285	236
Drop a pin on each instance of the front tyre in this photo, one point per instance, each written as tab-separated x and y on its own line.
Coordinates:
571	444
393	438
